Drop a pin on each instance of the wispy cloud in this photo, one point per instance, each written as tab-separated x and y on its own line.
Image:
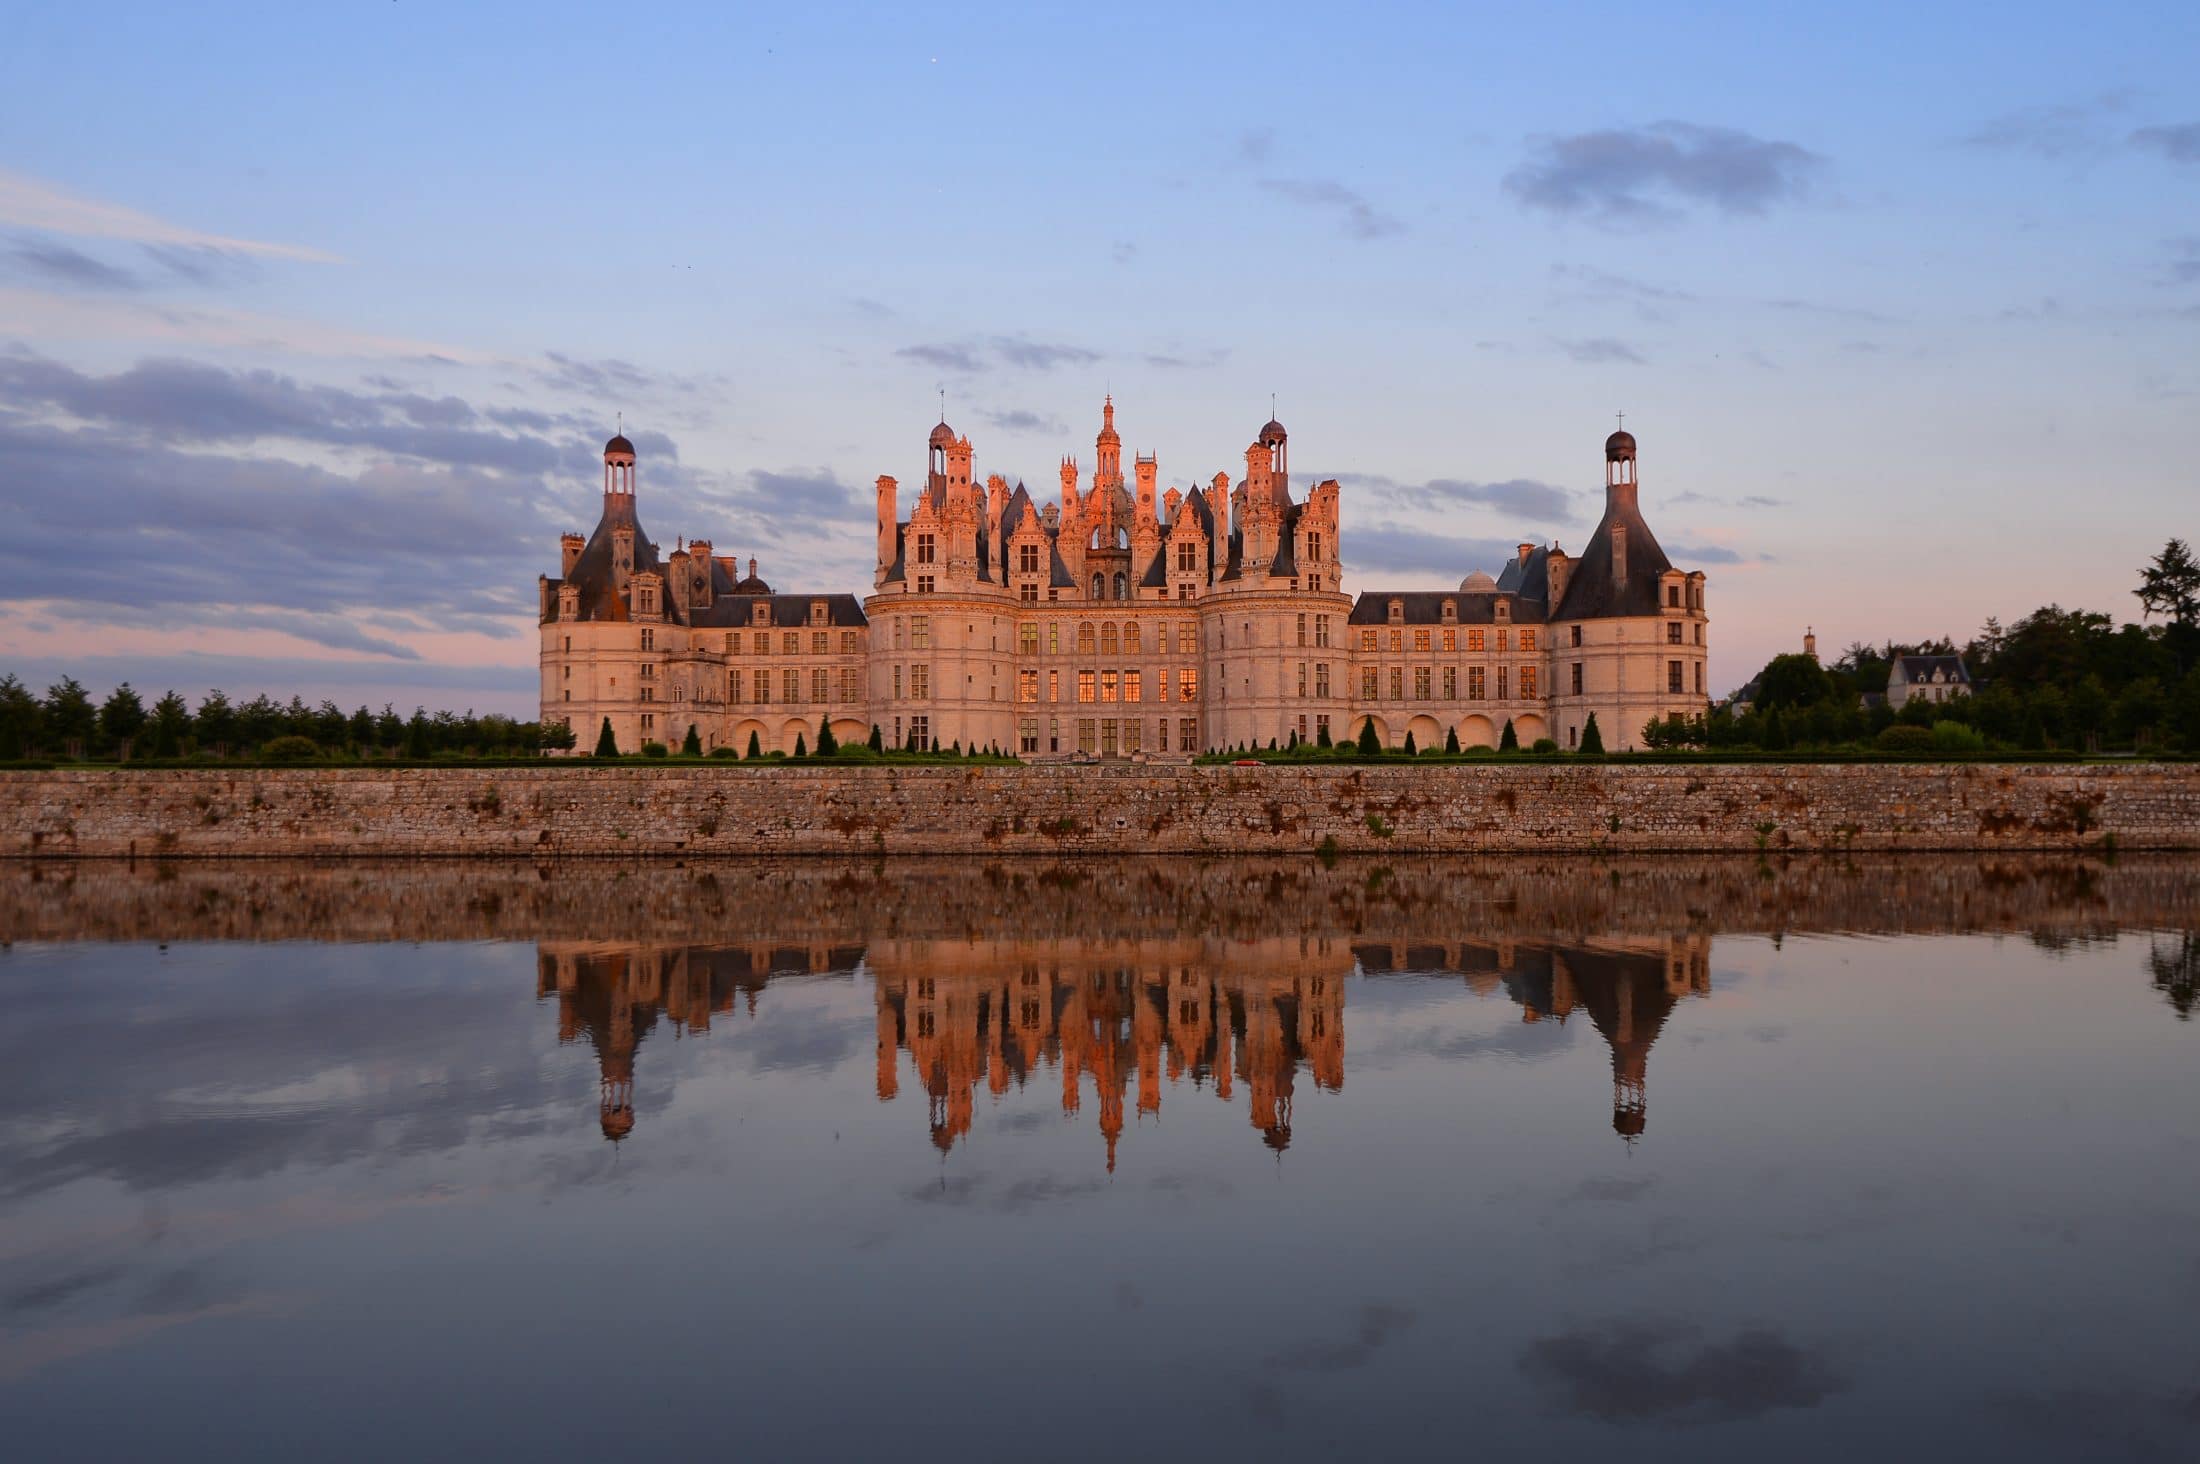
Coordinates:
1019	419
1528	498
1019	352
1602	350
1637	1372
1359	218
2051	130
32	203
1648	174
2179	143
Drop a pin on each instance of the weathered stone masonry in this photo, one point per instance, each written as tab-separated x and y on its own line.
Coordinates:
687	810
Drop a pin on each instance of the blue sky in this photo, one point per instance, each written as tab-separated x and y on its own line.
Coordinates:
313	318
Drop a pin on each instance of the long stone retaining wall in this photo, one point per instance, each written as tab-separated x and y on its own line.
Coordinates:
560	810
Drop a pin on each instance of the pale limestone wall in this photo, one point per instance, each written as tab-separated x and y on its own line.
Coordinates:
732	809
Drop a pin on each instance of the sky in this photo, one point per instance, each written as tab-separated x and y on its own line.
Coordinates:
313	319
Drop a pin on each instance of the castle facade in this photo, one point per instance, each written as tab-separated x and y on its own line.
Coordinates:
1118	621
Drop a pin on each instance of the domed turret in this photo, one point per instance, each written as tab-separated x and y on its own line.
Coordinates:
618	472
1620	447
942	436
1477	583
1272	433
618	447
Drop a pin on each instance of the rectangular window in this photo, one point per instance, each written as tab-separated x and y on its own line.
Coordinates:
1527	681
763	687
1321	630
847	643
733	686
1397	642
821	642
1699	678
1321	678
1085	687
1574	633
1088	736
1027	686
920	681
897	683
1108	745
790	685
1368	677
1027	735
1397	683
850	685
649	722
1302	728
820	684
1133	683
924	584
649	693
920	733
1527	640
1421	639
1054	638
1501	683
1367	640
1420	683
1501	641
1451	639
1107	686
649	670
1478	686
1673	596
1302	627
927	549
1027	562
897	632
1673	682
1187	734
1451	683
1672	632
1028	592
649	640
1054	686
1474	640
920	632
1577	678
1187	639
1027	638
1187	684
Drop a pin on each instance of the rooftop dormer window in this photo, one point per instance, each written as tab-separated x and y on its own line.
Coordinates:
1451	610
1397	612
817	612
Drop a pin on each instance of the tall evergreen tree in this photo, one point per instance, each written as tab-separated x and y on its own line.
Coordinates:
1508	740
606	744
691	745
756	746
1369	742
878	741
171	723
1451	739
1592	740
21	719
70	717
827	744
419	737
121	718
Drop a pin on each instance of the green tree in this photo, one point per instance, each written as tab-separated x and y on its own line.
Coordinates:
1592	740
389	728
121	718
608	746
22	719
1451	740
1793	680
756	747
69	715
827	743
420	736
1321	735
1508	740
1410	748
1369	742
691	745
216	722
556	737
2169	586
330	725
1772	734
877	741
361	729
799	749
171	723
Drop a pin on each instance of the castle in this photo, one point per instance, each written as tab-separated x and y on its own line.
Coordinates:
1119	621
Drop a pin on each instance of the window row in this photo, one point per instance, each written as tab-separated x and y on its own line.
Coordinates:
1448	638
824	685
1441	683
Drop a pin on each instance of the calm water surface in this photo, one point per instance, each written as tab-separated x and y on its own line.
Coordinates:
1157	1159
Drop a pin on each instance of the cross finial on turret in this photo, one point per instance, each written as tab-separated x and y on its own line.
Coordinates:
943	401
1622	420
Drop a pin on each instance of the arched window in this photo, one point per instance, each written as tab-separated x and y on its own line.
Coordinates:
1084	639
1122	538
1119	588
1099	586
1095	540
1131	638
1107	639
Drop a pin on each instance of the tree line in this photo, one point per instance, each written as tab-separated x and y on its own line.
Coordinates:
67	723
2056	679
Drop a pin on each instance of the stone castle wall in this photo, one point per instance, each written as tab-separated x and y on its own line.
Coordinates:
1497	808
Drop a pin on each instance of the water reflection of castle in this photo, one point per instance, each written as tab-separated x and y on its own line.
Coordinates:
1122	1019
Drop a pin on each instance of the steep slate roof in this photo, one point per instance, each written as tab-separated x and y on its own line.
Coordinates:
789	612
1426	607
1590	593
1921	668
592	571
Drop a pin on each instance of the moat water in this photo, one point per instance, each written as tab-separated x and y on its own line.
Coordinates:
1170	1159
